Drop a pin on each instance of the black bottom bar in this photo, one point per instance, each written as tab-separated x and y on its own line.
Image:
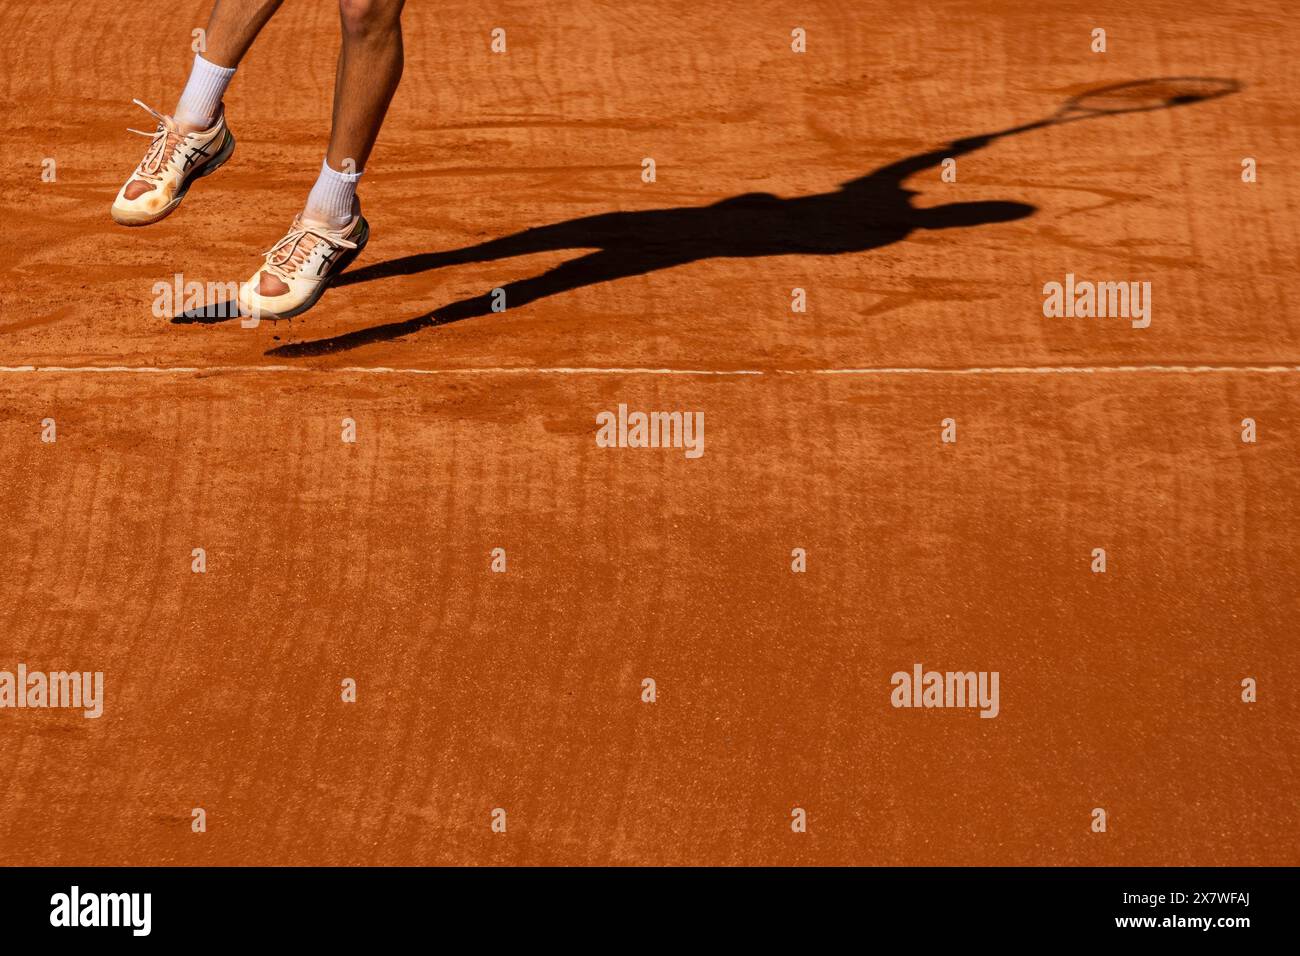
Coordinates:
657	906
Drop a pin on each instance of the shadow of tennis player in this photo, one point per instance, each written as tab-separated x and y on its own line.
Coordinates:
869	212
866	213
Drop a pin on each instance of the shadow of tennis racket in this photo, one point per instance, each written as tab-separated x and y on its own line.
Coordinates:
1136	96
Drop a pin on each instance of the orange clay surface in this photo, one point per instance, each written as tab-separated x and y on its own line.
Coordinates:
522	690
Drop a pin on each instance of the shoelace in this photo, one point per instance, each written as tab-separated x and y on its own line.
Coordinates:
287	256
165	140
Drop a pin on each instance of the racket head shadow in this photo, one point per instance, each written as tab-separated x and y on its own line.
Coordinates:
1157	93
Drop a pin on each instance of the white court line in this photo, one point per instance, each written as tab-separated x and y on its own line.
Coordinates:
535	370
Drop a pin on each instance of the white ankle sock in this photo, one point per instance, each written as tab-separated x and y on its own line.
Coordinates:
202	97
331	198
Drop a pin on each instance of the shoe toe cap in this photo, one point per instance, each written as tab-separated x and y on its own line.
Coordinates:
135	189
271	285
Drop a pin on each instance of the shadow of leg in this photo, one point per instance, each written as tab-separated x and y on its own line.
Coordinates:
586	270
209	314
542	239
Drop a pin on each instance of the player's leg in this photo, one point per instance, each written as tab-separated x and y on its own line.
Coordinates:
370	66
232	27
195	141
331	231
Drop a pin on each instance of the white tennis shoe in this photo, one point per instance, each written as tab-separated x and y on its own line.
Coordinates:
301	266
171	164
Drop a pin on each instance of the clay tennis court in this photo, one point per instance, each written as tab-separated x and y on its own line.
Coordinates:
475	430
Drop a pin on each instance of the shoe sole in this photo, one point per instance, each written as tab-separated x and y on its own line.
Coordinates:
344	261
147	219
